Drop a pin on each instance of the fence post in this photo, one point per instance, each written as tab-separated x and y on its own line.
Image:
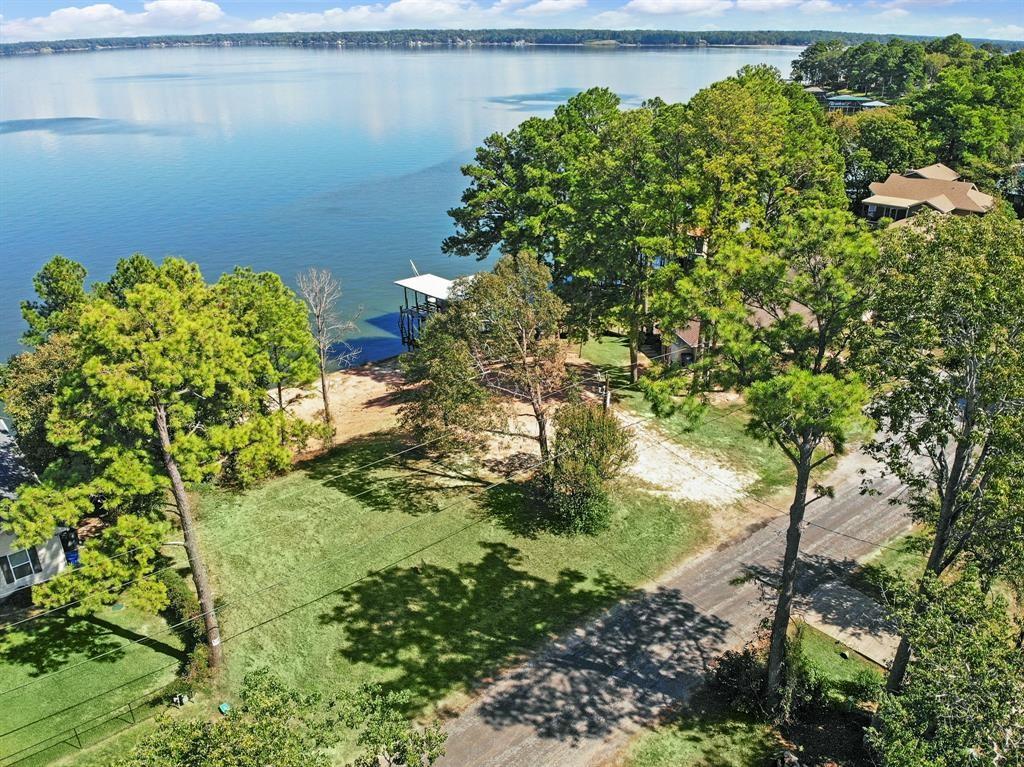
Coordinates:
78	738
131	711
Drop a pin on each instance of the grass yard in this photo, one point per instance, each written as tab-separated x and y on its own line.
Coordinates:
705	734
826	655
902	559
43	646
719	433
410	575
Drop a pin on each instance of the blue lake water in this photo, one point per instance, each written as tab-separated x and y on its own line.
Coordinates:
280	158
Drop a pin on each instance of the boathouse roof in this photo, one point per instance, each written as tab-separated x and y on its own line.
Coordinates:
429	285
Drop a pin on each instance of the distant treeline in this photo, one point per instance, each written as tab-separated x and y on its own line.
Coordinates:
463	37
893	69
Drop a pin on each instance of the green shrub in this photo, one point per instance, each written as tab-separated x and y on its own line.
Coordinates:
576	499
738	678
182	609
591	447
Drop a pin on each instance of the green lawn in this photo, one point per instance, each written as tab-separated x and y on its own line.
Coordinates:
902	559
706	734
409	575
826	654
46	645
719	432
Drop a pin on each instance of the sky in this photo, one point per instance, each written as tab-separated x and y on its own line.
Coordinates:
58	19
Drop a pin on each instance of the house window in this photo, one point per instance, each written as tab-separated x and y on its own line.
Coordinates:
20	564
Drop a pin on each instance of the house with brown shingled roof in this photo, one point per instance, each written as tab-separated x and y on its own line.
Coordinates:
934	187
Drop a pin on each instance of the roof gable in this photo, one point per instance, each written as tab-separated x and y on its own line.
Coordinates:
956	195
936	171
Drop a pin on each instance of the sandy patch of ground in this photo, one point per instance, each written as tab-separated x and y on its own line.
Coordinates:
366	400
363	400
681	473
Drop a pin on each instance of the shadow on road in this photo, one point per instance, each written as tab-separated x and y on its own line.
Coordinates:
813	571
652	646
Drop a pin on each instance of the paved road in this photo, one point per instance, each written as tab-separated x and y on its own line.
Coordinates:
578	702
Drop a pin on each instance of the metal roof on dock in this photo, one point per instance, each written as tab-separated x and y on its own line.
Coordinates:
429	285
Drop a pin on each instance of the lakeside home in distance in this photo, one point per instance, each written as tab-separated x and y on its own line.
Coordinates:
22	567
936	187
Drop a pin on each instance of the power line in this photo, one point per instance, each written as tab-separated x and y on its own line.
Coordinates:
275	584
86	700
263	531
338	589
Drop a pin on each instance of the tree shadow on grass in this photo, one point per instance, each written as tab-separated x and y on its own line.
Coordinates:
518	507
366	467
54	643
722	735
446	628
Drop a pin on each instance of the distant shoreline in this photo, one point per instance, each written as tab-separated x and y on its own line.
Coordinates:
412	39
44	51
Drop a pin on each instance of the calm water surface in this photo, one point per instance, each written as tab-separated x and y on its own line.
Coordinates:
280	159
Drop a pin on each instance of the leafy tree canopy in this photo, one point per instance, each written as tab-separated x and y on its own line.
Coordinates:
963	702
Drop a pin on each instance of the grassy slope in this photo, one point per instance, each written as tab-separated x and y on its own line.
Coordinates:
472	582
825	653
719	433
49	644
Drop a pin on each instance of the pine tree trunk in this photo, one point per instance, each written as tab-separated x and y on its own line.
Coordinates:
634	347
784	607
280	406
195	560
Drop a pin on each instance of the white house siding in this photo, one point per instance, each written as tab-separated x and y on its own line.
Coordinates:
51	558
679	352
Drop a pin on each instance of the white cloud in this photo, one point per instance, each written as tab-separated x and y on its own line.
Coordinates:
546	7
819	6
104	19
401	13
806	6
892	14
688	7
1008	32
765	5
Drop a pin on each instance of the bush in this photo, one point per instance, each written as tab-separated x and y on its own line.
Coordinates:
182	612
738	677
591	447
182	606
576	499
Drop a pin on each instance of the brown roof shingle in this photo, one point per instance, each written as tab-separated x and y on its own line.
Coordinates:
959	195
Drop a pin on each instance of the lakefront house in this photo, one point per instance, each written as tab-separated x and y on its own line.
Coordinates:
934	187
24	566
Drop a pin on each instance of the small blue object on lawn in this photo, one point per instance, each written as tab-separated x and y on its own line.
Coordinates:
224	708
